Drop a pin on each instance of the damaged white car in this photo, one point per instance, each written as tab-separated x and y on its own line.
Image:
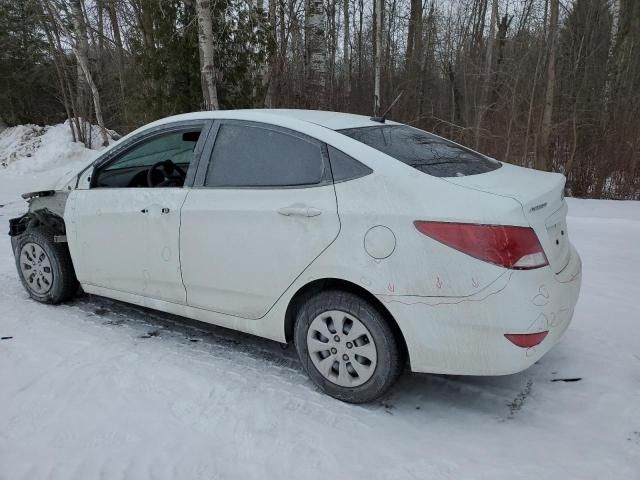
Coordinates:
366	243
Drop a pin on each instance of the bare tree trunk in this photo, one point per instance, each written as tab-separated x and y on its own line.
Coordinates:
269	76
82	46
484	92
316	57
480	24
100	14
283	42
426	58
115	26
80	50
299	54
615	21
360	49
389	18
52	30
346	46
545	159
456	96
525	155
415	58
95	94
332	38
378	58
61	78
208	71
414	35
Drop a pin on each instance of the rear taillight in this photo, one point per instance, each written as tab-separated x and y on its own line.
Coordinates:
526	340
511	247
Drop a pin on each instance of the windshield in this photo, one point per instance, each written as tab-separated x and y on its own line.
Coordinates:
423	151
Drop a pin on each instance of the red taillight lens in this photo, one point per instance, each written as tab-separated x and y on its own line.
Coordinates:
526	340
507	246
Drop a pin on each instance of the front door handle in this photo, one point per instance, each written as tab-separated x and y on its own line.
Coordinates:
164	210
299	211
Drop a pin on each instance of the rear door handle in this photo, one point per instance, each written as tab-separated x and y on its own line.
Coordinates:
299	211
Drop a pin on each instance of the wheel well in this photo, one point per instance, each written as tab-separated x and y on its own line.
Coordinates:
317	286
36	218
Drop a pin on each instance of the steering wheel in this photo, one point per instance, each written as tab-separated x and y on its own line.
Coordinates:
171	173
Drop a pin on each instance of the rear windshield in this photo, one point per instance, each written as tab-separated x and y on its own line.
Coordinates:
423	151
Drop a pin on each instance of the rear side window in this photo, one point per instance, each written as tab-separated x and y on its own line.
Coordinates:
423	151
252	156
345	167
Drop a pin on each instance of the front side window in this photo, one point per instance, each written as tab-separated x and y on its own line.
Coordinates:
252	156
423	151
161	161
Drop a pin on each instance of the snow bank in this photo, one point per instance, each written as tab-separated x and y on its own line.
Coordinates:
612	210
31	148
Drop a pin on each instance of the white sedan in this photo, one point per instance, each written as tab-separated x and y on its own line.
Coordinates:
366	243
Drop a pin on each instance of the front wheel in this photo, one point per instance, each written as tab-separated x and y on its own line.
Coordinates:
347	347
44	266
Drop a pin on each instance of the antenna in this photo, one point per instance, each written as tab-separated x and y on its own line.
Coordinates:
383	118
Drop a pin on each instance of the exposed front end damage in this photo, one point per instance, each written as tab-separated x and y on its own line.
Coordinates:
46	208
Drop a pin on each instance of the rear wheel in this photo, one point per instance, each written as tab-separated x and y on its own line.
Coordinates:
347	347
45	267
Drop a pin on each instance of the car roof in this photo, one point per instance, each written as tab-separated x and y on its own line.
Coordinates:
331	120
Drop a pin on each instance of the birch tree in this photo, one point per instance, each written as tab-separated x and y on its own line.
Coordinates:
207	66
81	51
316	52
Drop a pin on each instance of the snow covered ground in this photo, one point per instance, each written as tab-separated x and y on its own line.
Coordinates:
99	389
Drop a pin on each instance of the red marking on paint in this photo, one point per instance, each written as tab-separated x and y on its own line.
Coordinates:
391	287
438	282
474	282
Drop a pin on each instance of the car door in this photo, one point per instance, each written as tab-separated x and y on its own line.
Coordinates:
124	235
263	208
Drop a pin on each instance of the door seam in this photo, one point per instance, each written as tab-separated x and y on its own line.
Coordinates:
186	293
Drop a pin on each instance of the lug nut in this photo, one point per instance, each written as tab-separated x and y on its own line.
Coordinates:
349	345
345	357
336	338
334	350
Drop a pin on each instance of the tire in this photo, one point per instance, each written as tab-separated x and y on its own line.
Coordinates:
44	266
338	365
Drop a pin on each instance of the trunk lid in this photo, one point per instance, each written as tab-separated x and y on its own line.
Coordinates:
541	195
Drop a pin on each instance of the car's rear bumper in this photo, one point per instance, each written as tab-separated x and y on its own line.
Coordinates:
465	336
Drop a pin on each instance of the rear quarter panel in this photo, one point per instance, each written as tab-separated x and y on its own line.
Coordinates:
418	265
